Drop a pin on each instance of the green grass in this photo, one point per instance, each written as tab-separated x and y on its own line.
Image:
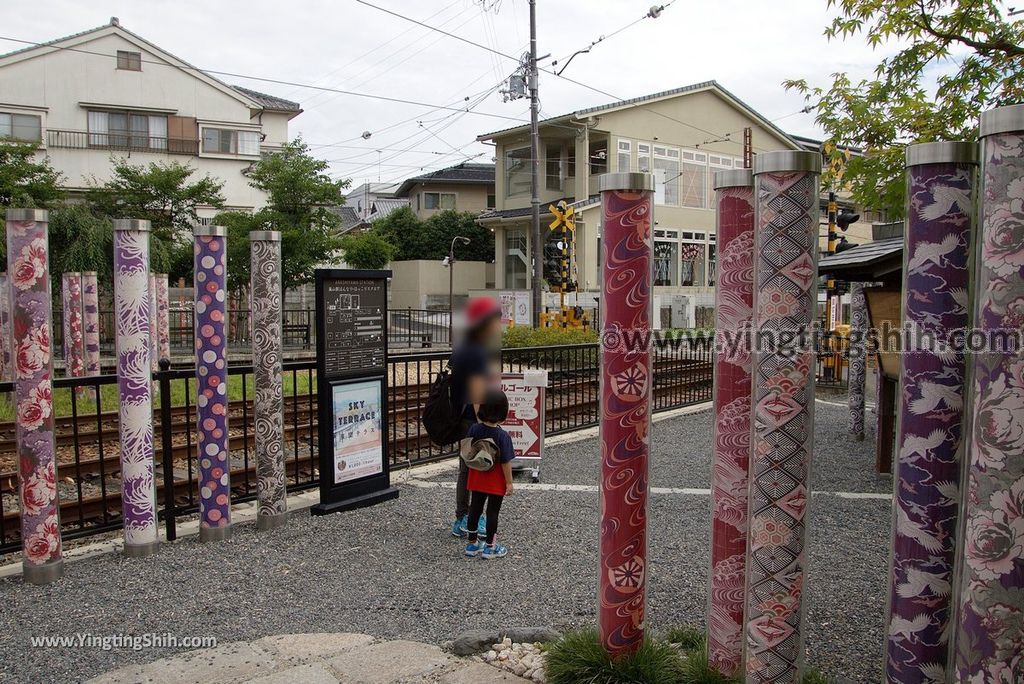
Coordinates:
579	658
697	670
814	677
86	405
687	637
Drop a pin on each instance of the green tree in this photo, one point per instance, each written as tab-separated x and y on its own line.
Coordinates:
414	238
80	241
367	250
405	232
299	194
164	194
956	59
25	182
239	225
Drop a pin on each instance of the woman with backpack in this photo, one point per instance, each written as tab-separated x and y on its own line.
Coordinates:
474	367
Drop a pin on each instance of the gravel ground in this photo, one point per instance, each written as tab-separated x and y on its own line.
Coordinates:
393	571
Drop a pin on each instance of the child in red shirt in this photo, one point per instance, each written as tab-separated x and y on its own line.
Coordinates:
488	488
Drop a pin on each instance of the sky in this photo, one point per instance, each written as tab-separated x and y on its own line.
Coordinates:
749	47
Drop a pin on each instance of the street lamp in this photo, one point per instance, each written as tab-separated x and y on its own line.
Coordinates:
449	263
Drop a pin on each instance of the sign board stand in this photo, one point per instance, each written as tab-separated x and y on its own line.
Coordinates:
525	422
352	389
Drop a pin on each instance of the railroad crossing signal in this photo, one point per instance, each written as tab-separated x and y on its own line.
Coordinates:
565	217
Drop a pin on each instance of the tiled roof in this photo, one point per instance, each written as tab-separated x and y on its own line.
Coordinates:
383	207
523	212
466	172
269	101
349	218
873	259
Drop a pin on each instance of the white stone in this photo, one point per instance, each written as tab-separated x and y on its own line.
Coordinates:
490	656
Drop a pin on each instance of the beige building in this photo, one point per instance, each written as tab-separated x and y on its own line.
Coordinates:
463	187
108	93
682	136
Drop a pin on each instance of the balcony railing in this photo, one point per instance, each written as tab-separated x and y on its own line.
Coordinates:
126	142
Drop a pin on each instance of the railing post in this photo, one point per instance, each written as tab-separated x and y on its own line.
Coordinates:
167	449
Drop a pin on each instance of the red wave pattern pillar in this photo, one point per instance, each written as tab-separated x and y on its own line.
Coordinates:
734	298
940	214
990	636
626	311
785	303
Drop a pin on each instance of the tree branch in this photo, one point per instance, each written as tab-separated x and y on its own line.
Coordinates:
982	46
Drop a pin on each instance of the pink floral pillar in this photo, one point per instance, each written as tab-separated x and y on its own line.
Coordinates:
91	322
626	313
212	382
29	268
786	193
74	338
733	314
990	634
154	327
163	317
6	359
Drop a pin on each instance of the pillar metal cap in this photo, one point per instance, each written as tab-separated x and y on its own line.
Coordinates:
736	178
72	273
1009	119
791	161
942	152
265	236
28	215
90	273
214	231
626	181
132	224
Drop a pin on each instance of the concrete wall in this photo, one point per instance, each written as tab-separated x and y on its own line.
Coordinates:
416	283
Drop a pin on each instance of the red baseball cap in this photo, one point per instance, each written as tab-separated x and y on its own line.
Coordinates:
479	310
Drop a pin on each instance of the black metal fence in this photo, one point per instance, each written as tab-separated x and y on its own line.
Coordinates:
88	449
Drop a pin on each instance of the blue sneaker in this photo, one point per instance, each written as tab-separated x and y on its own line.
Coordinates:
493	551
474	549
459	527
481	527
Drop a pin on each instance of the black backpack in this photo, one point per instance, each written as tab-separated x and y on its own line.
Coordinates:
441	418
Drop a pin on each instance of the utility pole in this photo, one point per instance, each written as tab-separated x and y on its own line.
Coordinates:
535	246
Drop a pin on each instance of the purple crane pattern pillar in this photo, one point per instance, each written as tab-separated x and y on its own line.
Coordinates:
28	263
940	198
74	337
132	317
785	301
626	310
858	359
163	317
212	382
734	299
990	633
268	407
6	358
91	321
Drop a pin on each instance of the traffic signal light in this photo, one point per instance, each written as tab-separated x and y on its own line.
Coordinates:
553	260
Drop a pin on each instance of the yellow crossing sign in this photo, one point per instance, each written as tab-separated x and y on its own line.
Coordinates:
565	216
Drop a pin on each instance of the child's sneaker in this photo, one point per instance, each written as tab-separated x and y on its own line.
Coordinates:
459	527
492	551
481	527
474	549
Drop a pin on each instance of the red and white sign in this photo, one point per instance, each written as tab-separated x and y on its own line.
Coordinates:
525	422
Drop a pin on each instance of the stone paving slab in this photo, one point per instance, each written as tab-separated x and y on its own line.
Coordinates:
319	658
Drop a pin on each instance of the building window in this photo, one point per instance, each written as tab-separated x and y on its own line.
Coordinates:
598	157
691	260
439	200
127	130
129	61
517	171
24	127
666	171
693	180
643	158
554	167
491	201
228	141
625	160
516	262
666	262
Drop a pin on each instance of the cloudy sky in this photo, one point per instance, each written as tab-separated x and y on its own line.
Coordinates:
747	46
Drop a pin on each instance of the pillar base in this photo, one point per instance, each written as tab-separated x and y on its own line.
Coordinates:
271	522
209	534
42	574
141	550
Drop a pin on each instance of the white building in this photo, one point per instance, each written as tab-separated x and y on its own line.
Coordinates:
108	92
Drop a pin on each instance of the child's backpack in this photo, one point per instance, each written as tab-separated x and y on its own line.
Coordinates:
478	454
441	418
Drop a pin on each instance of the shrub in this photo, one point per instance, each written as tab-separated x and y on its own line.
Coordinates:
525	336
366	250
697	670
579	657
814	677
687	637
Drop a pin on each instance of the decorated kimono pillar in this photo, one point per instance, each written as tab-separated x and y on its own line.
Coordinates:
163	317
785	300
6	358
91	321
991	590
268	407
212	383
626	323
28	263
154	329
134	382
940	198
858	359
733	310
74	337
